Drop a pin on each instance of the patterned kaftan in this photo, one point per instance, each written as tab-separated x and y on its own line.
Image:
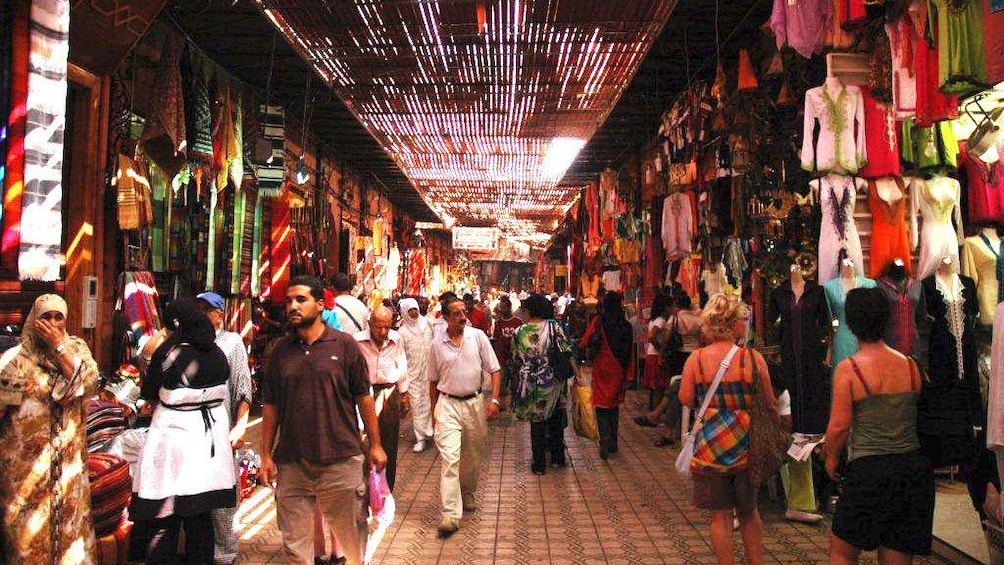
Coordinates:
30	433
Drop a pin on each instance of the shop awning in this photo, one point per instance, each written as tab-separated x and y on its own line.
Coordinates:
482	104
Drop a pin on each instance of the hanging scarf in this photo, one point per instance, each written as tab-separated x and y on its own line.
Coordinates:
841	210
40	250
13	183
198	109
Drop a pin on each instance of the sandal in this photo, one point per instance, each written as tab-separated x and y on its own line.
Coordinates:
645	422
664	442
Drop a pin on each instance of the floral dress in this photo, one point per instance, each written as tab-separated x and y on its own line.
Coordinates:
537	392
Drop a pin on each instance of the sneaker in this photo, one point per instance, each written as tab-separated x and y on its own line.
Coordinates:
470	504
804	517
447	527
419	446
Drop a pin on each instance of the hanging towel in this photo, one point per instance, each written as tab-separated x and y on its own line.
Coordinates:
41	203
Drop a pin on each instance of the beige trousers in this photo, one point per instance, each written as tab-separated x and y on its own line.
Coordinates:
337	490
461	429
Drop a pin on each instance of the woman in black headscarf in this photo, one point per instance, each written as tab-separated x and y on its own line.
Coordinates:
608	340
186	469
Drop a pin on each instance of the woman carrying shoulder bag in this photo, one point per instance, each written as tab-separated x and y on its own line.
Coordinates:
722	484
610	338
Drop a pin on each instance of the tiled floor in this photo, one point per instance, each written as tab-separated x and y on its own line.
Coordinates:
631	509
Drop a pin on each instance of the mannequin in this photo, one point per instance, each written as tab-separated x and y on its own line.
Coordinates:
984	263
799	309
908	319
949	404
838	233
845	343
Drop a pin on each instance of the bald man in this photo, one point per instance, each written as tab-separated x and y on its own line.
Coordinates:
388	368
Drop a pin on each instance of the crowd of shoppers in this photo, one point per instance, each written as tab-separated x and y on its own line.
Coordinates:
342	364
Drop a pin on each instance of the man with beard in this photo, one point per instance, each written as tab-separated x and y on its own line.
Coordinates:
316	379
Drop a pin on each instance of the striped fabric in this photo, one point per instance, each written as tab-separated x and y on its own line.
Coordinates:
722	445
272	174
13	184
41	202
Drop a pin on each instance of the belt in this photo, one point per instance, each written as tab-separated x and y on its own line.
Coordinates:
474	394
383	386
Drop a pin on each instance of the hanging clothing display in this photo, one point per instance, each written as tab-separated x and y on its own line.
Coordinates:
735	262
841	116
908	315
845	343
677	224
995	394
887	200
805	324
932	105
837	231
950	399
653	262
931	147
391	275
593	240
689	276
612	281
904	79
16	120
938	202
40	256
800	24
418	277
715	280
984	263
835	36
962	65
590	286
984	186
883	139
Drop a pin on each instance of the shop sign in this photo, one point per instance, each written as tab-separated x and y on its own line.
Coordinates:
481	239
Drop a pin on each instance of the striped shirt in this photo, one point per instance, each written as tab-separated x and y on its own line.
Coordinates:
239	383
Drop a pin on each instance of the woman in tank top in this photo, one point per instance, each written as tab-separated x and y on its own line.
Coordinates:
888	497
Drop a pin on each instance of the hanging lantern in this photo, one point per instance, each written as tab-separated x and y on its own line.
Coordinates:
718	88
785	98
747	77
776	65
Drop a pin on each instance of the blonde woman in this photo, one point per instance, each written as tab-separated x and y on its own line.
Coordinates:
721	483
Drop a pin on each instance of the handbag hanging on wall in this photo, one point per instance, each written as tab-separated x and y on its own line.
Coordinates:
769	441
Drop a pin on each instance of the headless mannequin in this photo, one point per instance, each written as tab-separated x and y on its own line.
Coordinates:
897	273
797	282
833	85
847	275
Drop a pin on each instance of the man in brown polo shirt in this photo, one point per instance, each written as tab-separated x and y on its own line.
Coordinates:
314	382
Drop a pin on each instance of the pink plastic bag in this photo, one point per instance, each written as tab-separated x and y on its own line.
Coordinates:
381	500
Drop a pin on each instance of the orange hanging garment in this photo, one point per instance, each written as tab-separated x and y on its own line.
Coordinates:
889	239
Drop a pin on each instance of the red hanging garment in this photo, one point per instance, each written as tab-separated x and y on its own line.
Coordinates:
16	123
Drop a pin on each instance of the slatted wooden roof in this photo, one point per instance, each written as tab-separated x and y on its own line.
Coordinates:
482	104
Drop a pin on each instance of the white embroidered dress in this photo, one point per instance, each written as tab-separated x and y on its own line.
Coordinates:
841	144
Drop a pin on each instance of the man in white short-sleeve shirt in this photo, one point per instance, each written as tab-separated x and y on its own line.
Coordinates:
457	358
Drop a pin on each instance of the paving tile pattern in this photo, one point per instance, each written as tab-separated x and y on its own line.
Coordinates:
631	509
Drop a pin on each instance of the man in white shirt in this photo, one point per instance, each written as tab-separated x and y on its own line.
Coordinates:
352	314
388	370
458	356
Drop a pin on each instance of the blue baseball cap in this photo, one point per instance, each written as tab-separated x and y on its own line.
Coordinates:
215	301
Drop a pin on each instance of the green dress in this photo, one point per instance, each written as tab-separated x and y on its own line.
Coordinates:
962	65
537	393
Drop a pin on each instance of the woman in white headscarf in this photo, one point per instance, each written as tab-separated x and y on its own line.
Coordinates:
45	499
416	334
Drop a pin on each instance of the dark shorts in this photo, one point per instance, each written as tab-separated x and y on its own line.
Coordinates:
725	492
887	501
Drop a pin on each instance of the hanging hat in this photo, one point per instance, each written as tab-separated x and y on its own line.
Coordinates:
718	88
785	98
747	77
776	64
718	124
